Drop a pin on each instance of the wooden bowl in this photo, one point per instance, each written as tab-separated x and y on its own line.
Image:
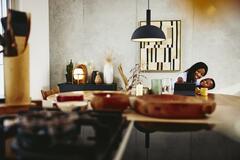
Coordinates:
110	101
173	106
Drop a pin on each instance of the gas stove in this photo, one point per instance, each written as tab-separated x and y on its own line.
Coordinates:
55	135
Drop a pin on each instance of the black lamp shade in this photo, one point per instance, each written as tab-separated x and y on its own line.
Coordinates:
148	33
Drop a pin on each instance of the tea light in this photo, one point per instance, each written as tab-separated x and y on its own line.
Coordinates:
108	95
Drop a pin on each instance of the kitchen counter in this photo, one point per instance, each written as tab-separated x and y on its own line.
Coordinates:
214	137
12	109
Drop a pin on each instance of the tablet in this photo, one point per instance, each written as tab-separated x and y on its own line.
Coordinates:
187	89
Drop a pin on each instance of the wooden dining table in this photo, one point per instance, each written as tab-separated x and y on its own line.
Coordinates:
227	109
225	119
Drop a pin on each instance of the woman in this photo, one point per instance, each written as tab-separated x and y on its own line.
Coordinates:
195	72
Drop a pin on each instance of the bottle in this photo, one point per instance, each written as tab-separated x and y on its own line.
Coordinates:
108	71
69	70
90	71
71	64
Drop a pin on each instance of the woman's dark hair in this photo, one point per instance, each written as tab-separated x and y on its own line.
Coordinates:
213	86
191	71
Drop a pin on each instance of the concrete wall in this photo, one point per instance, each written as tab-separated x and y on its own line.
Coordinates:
83	30
39	45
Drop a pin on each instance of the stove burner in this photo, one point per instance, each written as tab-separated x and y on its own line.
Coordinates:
54	135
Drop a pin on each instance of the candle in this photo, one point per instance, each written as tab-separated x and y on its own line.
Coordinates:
139	90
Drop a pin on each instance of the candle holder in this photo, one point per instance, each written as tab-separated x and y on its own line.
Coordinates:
80	74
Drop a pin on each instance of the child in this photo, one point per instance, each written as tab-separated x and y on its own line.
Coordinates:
208	83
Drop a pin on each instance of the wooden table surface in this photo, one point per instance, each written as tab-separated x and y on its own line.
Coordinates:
227	110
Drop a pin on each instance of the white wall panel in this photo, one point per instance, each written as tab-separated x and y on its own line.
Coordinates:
39	45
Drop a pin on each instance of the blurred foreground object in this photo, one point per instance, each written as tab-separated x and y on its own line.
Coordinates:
16	57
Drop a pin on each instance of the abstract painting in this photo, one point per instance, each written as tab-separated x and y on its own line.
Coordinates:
164	56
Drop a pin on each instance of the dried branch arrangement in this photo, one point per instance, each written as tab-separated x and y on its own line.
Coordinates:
136	77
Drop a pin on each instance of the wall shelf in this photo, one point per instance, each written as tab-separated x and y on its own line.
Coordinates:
65	87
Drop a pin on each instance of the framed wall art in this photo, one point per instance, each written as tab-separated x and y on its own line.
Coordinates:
164	56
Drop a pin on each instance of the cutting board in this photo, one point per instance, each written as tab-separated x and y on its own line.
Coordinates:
174	106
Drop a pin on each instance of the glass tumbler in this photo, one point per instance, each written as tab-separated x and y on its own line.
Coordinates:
156	86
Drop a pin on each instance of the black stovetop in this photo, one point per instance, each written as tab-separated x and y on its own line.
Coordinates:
54	135
96	135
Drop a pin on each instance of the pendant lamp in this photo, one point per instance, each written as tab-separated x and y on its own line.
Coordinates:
148	32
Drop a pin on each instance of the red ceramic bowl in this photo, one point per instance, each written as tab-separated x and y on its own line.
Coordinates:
110	101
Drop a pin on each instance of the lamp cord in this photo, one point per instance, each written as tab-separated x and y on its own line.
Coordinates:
148	4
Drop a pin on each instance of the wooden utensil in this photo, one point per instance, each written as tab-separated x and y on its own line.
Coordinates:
124	78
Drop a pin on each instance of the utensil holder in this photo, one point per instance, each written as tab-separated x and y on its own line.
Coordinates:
16	79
